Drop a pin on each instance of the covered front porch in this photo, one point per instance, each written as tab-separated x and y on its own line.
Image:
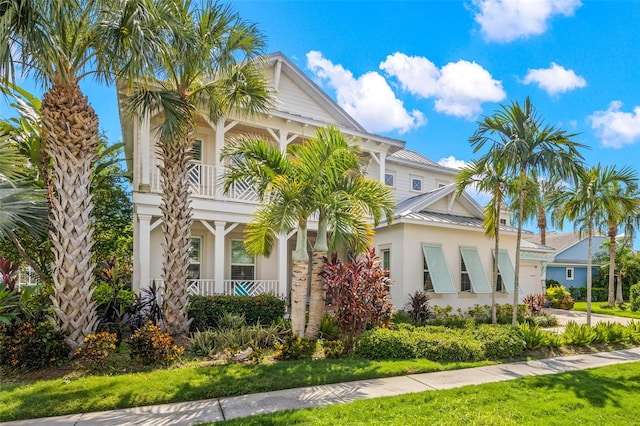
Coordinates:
218	263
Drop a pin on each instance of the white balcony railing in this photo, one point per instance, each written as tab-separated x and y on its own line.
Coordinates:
206	182
206	287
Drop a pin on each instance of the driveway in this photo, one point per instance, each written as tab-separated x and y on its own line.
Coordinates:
581	317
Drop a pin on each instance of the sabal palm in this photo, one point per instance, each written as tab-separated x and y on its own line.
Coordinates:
587	202
205	66
60	43
519	136
487	174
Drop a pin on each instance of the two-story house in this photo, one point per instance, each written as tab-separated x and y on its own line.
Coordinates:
435	243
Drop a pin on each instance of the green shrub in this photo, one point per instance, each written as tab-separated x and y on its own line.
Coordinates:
504	313
609	332
150	345
633	331
329	329
400	317
578	335
295	347
542	320
96	347
634	297
448	347
559	297
203	343
333	348
32	345
206	311
383	343
533	336
598	294
499	341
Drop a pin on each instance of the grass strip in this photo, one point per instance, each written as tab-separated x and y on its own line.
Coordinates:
96	393
597	309
600	396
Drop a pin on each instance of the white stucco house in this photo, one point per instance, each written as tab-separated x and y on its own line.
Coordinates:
436	242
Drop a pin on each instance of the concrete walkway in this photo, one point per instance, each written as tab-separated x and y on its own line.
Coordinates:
581	317
188	413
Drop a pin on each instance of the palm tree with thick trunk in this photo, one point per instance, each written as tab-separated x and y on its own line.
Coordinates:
587	202
487	174
60	43
206	65
520	137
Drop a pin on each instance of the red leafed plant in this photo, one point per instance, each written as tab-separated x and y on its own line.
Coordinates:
535	303
358	290
9	272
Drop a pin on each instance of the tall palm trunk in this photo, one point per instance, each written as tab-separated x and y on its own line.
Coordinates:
589	278
619	297
299	275
176	228
542	225
317	301
613	230
494	318
516	280
70	129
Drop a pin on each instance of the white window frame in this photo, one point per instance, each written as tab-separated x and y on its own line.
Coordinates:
195	258
393	179
386	263
464	272
569	274
232	264
417	179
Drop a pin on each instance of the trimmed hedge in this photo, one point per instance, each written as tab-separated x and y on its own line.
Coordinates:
442	344
206	311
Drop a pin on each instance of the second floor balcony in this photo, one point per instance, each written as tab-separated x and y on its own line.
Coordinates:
207	181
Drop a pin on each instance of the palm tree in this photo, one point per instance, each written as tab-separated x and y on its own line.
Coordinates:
588	202
522	140
487	174
60	43
344	197
207	60
619	214
322	175
539	190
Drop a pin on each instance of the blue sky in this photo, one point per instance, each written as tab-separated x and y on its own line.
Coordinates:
426	71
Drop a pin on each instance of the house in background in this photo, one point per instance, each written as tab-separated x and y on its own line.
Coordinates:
436	242
569	264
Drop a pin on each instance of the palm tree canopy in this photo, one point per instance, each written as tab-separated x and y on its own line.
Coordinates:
526	143
207	58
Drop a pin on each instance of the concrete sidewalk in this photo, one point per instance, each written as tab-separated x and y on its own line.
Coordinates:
188	413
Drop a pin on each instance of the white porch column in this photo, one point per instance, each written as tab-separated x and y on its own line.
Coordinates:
143	255
218	149
283	264
383	168
145	153
220	256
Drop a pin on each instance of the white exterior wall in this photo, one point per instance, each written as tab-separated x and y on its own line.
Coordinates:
405	241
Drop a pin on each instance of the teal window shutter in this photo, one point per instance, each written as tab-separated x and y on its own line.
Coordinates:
438	270
506	270
479	281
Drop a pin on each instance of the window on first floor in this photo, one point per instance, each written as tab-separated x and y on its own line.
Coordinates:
243	265
426	280
195	256
386	260
499	285
569	274
465	280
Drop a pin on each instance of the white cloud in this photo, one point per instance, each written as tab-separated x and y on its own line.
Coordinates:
459	88
616	128
507	20
555	79
452	162
368	99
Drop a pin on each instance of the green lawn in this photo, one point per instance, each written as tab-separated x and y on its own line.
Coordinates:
96	393
597	309
602	396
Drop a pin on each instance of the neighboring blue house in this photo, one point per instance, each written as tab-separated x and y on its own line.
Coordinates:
569	266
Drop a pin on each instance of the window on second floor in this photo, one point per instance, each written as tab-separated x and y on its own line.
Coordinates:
389	179
416	184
